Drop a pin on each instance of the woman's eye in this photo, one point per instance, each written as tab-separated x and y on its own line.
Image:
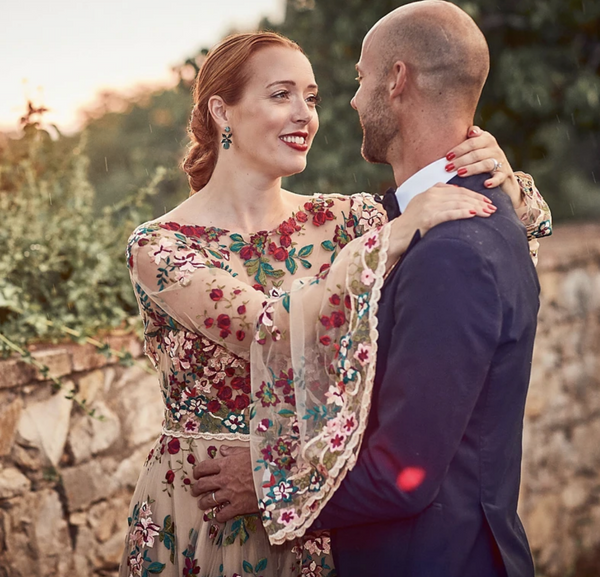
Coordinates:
281	95
314	99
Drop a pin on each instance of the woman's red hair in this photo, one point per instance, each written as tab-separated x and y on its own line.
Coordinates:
224	73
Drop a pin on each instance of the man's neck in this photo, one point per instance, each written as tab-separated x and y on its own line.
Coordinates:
423	145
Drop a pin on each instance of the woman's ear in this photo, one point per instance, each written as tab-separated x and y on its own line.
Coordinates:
398	77
218	110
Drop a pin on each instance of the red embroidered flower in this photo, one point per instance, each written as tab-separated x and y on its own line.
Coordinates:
335	300
301	216
325	340
338	318
247	252
240	335
170	476
223	321
209	322
258	287
280	254
216	294
285	241
213	406
241	309
241	402
173	446
237	383
225	393
191	459
170	225
347	302
325	321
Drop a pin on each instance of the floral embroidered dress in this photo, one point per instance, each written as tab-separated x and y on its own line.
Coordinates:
201	291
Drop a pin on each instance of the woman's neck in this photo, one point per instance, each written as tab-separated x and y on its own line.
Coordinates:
239	200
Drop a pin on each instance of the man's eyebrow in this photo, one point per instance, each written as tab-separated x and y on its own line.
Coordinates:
290	83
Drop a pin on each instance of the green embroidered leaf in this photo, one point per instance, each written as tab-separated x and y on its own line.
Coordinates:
156	567
237	237
305	263
286	302
286	413
328	245
180	237
215	254
306	251
261	565
252	265
248	568
291	265
237	246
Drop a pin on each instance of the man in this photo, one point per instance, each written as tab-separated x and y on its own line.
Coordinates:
434	491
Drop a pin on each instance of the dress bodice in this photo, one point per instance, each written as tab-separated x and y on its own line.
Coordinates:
200	290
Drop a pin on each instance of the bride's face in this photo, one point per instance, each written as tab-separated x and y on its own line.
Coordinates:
274	123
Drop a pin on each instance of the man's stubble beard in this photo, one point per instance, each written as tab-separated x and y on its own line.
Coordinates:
379	130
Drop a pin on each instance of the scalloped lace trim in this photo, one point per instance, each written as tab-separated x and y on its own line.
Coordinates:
207	436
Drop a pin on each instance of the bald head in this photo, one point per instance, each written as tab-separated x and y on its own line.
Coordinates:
445	52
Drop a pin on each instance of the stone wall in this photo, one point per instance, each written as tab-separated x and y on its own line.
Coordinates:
66	479
560	500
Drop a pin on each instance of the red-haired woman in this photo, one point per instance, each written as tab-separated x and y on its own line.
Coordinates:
230	255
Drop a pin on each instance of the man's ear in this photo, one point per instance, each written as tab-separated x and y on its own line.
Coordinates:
398	78
218	110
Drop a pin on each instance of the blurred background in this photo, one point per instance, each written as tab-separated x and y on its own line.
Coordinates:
94	101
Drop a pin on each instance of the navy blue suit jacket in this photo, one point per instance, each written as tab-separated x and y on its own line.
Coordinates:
457	320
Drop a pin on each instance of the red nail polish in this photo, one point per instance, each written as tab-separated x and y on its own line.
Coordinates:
487	184
449	167
473	212
450	156
462	171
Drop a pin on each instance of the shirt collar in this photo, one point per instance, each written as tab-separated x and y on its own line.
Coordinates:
422	180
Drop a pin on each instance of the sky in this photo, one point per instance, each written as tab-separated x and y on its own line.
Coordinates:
62	53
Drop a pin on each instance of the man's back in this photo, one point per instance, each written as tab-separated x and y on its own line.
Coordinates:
457	321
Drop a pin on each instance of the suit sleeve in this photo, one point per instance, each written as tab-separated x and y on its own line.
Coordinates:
447	325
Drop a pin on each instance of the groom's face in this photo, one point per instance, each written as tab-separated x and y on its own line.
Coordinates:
378	125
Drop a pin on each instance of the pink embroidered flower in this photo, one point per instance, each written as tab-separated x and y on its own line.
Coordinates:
144	532
135	564
287	516
162	251
363	354
336	442
367	277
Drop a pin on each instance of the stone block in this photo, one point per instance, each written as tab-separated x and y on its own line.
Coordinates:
109	518
90	436
45	425
88	483
51	529
57	360
9	419
13	483
129	469
90	385
14	373
86	358
586	446
140	406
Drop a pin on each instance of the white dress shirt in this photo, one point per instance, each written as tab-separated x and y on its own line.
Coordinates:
422	180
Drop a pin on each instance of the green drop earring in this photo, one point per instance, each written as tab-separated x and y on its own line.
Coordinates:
226	140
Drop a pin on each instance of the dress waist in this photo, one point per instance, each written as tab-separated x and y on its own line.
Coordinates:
205	435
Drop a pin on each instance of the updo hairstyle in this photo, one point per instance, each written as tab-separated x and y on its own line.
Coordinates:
223	73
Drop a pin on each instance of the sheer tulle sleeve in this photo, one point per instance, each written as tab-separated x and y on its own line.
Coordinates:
180	280
535	213
312	385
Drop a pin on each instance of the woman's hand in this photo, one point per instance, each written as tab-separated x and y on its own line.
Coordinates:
437	204
476	155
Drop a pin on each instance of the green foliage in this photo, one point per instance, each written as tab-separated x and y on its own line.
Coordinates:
541	101
61	258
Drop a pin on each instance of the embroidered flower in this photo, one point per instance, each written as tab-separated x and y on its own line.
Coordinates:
371	242
136	565
363	354
162	251
287	516
283	491
367	277
235	423
144	532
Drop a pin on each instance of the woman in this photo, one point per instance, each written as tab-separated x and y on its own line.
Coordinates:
201	274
